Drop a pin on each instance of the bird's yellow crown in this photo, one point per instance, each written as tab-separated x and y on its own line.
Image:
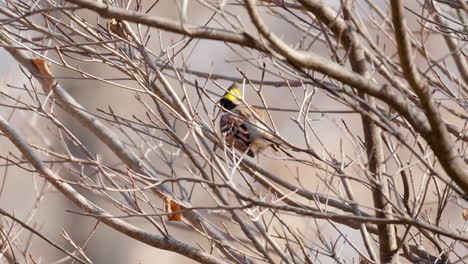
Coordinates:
233	94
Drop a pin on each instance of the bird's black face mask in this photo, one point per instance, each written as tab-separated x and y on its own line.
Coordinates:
227	104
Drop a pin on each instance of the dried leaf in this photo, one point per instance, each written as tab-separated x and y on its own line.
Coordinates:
117	27
363	260
171	207
45	73
465	214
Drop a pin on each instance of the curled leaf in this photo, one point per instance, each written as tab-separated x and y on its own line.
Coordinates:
172	209
117	27
45	74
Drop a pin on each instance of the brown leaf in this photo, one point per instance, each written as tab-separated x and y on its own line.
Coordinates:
45	74
465	214
117	27
363	260
171	207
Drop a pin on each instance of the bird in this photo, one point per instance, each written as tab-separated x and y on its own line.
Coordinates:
242	125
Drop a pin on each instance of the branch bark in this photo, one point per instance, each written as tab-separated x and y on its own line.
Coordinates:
438	138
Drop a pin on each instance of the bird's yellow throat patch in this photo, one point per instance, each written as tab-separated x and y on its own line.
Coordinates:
233	94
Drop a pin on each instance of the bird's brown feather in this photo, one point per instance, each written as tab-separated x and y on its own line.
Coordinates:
235	133
235	130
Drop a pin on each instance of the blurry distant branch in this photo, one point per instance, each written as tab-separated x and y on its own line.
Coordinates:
32	230
453	45
455	4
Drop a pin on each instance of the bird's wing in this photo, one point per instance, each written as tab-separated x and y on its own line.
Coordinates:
236	133
257	122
